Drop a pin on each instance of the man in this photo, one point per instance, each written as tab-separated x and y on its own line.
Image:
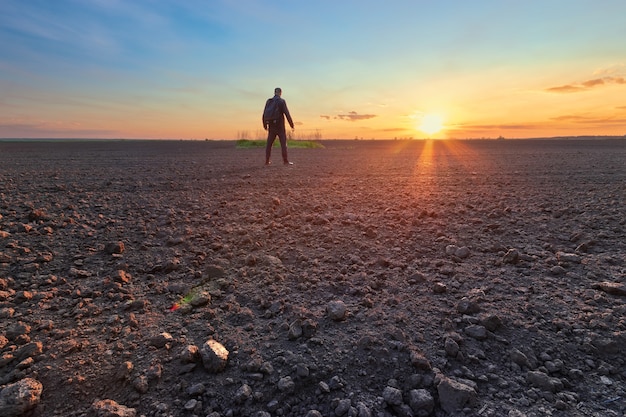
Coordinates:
274	123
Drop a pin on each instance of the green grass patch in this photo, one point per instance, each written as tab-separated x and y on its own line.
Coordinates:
306	144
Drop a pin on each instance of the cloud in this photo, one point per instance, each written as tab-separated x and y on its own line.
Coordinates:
569	118
586	85
593	83
499	127
395	129
40	130
565	89
351	116
354	116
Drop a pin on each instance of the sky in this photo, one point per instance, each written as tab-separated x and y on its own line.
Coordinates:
202	69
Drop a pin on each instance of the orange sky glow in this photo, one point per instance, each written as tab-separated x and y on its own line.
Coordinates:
196	70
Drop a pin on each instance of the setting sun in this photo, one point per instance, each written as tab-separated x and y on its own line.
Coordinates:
431	123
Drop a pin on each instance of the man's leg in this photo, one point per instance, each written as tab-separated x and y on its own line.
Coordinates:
271	136
282	135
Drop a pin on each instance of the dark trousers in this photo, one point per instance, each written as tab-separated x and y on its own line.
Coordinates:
273	131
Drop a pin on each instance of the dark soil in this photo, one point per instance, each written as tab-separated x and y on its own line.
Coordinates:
499	265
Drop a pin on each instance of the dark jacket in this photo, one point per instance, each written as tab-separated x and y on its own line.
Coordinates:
284	112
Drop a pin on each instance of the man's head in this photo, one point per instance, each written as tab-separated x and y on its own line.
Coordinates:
278	91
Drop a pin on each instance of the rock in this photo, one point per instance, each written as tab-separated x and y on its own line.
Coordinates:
451	249
491	322
190	354
544	381
214	271
403	410
609	345
23	296
122	276
191	404
36	215
511	257
16	330
557	270
454	395
343	407
273	261
140	384
29	350
613	288
421	402
309	328
109	408
214	356
568	257
451	347
196	389
392	396
462	252
336	310
20	397
439	288
124	371
161	340
79	273
6	312
114	248
314	413
476	331
295	330
286	384
200	299
154	372
363	410
520	358
419	361
467	306
242	394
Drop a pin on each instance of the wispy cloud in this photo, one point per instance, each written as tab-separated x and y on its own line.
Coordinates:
350	116
590	120
586	85
569	118
42	130
498	127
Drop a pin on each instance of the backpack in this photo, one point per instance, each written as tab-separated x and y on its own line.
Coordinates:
272	110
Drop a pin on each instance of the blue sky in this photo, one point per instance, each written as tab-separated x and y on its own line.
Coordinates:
373	69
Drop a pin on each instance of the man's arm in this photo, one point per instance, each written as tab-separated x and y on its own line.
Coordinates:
265	124
286	113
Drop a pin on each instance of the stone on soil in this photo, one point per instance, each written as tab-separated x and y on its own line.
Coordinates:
214	356
20	397
454	395
336	310
109	408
